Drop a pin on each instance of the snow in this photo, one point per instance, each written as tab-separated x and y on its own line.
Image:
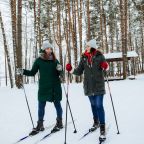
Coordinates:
119	54
128	101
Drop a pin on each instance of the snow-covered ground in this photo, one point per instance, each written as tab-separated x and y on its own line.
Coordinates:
128	97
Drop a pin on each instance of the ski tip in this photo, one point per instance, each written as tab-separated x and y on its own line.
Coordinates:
21	139
102	141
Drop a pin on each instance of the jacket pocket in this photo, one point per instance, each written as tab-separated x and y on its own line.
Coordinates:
85	86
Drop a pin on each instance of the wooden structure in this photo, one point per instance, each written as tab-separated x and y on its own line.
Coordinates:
115	61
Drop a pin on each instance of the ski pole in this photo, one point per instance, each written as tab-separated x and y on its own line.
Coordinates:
112	103
75	131
66	111
28	105
66	122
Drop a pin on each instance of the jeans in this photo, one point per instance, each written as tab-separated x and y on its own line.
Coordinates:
97	108
41	110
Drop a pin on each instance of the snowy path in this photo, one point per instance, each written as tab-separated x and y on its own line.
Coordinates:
128	97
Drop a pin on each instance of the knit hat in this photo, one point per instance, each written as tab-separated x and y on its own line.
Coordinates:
92	43
46	45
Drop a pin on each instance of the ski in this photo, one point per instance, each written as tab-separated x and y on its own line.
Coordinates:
47	135
28	136
50	133
88	132
102	140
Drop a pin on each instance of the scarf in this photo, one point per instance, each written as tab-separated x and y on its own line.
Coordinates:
89	56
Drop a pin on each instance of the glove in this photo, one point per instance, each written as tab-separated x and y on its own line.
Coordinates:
19	71
104	66
68	67
59	67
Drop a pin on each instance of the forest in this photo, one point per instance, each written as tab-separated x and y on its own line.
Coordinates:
117	26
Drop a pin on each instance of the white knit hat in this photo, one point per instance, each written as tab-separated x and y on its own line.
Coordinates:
46	45
92	43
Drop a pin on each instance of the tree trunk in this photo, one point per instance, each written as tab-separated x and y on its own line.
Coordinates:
123	9
26	46
14	30
59	38
88	20
105	33
6	51
101	26
19	79
79	14
111	25
35	31
39	23
69	31
80	27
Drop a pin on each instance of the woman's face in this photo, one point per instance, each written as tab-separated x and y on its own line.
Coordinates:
48	51
88	48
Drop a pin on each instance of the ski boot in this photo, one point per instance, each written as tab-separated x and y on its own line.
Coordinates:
58	126
102	137
38	128
95	125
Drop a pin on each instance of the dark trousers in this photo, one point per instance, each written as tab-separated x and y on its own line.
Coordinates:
97	108
41	110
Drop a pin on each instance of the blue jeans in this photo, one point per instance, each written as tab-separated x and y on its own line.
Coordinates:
41	110
97	108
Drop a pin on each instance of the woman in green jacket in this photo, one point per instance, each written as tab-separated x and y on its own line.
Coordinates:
49	85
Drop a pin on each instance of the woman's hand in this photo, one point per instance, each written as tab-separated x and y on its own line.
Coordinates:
59	67
68	67
19	71
104	66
